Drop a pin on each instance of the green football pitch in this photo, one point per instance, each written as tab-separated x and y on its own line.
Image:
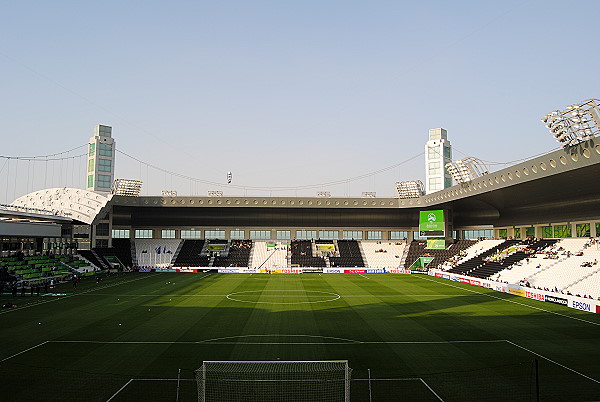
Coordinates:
139	337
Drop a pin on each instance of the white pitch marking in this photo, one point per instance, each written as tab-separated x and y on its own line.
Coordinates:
552	361
120	389
26	350
512	301
363	276
432	391
71	295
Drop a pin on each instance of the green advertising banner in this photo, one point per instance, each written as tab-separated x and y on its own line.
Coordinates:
431	223
420	263
436	244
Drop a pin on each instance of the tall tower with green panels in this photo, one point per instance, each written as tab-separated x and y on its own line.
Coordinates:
101	160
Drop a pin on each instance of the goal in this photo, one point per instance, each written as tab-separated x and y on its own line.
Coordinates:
292	381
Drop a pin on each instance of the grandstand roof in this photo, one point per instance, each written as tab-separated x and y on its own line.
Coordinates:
559	186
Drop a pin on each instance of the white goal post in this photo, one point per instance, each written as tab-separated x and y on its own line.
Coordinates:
232	381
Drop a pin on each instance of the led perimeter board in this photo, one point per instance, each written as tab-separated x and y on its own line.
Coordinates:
432	223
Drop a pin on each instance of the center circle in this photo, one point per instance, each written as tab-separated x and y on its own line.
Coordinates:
283	296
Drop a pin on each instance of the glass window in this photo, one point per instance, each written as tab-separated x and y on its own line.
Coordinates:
546	232
237	235
102	229
398	235
191	234
435	183
353	234
447	152
530	232
583	230
90	181
104	165
90	165
434	168
92	150
374	235
433	152
329	234
284	235
101	243
306	234
167	234
260	234
103	181
105	150
143	233
214	234
561	231
478	234
447	182
120	234
517	233
503	233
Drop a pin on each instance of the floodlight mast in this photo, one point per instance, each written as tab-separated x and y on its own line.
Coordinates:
576	124
410	189
467	169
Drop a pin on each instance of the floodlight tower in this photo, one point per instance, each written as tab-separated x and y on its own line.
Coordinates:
576	124
101	160
438	153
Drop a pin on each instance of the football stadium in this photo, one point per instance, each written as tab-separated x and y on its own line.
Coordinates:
476	285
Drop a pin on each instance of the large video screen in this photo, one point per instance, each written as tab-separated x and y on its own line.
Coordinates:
432	224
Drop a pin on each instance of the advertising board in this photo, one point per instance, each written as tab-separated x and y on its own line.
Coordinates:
432	224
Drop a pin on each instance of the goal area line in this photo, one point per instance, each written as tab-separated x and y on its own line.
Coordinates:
372	380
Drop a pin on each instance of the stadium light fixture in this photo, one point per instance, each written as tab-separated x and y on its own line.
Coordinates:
323	194
410	189
169	193
467	169
369	194
576	124
215	193
127	187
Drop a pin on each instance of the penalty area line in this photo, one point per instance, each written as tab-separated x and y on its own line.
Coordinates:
554	362
24	351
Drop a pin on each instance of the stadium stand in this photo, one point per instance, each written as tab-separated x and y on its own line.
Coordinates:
381	254
155	252
238	254
302	254
349	255
417	249
189	254
269	255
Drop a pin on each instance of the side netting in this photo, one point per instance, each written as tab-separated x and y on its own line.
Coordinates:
274	381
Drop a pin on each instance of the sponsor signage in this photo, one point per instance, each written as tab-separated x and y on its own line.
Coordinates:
375	271
516	292
354	271
535	296
333	271
464	280
598	309
579	305
438	275
399	271
455	278
145	270
556	300
187	270
165	270
475	282
446	276
431	223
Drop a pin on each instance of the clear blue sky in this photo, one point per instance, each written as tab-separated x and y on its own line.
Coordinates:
288	93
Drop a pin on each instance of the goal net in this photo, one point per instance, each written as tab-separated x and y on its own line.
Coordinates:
274	381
